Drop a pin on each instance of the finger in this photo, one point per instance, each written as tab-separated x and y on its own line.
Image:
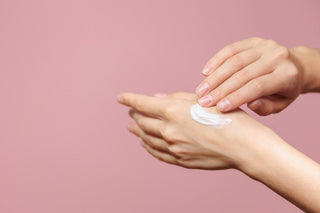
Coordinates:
180	95
145	104
160	95
254	89
160	155
227	52
268	105
227	69
155	142
147	124
135	129
183	95
238	80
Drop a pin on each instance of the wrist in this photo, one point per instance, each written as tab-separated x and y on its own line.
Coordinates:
263	151
307	61
288	172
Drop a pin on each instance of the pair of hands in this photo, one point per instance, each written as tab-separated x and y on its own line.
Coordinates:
261	73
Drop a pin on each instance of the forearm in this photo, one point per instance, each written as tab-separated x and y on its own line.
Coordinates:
309	61
288	172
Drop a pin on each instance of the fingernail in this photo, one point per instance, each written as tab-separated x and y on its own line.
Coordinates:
207	69
202	89
120	99
160	95
205	100
130	127
224	105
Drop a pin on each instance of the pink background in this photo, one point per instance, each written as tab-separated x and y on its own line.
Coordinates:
64	146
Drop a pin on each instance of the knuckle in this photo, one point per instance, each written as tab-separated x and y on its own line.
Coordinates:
215	58
176	151
231	48
255	39
141	123
237	61
144	137
141	134
236	97
257	86
242	76
172	109
212	79
170	134
282	52
139	105
271	43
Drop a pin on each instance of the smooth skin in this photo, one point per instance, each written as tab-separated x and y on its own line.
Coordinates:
169	134
260	73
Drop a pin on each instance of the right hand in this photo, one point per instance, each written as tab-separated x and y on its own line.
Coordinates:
262	73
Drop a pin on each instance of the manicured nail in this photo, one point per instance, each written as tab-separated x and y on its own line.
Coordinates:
130	127
205	100
207	69
202	89
120	99
224	105
160	95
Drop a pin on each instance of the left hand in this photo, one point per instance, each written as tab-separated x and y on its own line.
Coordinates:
169	133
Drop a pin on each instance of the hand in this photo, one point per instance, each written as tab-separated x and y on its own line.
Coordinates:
265	75
169	134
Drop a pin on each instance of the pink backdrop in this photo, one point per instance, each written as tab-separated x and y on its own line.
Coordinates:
63	140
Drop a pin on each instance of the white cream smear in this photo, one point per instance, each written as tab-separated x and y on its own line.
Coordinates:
200	114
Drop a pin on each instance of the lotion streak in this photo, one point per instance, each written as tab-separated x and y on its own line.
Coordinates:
199	114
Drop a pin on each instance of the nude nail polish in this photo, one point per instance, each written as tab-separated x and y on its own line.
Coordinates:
205	100
202	89
130	127
120	99
207	69
224	105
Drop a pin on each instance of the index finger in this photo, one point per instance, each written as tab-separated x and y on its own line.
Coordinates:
146	104
228	51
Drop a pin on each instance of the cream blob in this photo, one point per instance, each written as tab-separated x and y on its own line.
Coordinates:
199	114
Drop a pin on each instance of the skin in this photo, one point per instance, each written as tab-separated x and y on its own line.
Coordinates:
169	134
260	73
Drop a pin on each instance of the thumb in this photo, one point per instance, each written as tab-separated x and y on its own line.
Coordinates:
268	105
